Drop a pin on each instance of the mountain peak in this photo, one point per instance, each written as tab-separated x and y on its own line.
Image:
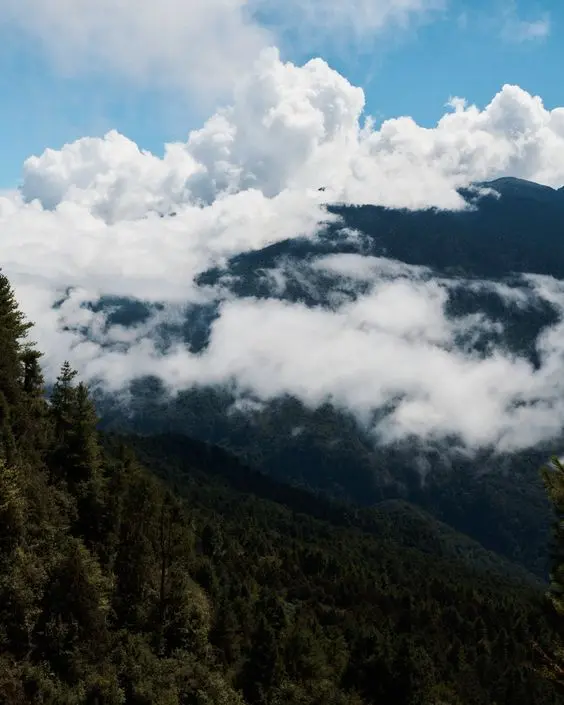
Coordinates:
517	186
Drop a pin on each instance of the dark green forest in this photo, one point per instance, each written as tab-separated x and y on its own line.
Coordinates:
162	570
498	500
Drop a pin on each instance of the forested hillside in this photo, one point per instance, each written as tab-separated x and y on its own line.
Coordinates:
499	298
496	499
163	578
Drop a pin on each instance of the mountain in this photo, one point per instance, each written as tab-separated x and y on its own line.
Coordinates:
514	226
162	570
497	264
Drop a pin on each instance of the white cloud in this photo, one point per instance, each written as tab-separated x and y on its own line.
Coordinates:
188	43
87	217
312	22
197	45
394	345
519	30
301	128
367	355
360	268
537	29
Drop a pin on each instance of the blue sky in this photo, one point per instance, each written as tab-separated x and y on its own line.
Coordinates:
470	50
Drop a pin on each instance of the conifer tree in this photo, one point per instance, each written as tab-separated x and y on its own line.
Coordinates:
135	564
73	625
12	511
553	476
11	318
76	456
63	404
7	440
77	449
13	347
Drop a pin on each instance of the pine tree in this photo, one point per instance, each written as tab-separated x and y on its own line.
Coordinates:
553	476
265	666
11	318
12	511
14	351
76	455
136	564
62	401
73	624
34	430
83	440
7	440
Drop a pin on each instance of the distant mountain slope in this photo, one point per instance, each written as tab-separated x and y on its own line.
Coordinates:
349	609
186	464
513	226
498	501
482	260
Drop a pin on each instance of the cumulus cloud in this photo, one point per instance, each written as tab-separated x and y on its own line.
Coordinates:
95	219
301	128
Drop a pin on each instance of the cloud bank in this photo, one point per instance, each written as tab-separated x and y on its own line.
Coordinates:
100	217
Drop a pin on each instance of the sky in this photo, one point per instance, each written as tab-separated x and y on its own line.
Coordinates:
55	90
232	114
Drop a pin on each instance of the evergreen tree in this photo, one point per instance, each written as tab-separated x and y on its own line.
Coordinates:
63	398
16	355
38	428
136	565
76	455
75	606
553	476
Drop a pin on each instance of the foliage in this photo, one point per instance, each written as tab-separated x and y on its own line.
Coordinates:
498	501
154	571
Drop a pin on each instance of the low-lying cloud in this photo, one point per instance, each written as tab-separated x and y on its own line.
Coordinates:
100	217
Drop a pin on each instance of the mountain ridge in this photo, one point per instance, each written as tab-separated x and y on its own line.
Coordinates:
482	259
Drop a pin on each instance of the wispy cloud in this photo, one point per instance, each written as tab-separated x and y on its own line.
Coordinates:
181	43
195	45
462	20
517	29
314	23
